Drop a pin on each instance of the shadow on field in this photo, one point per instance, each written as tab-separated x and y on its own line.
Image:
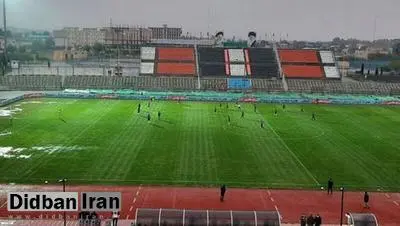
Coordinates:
156	125
167	121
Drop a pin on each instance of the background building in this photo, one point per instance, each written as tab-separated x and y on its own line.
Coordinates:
166	32
127	36
70	37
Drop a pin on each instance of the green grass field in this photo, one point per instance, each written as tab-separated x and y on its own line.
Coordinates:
107	142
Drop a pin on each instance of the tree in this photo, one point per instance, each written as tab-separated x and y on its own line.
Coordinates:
37	46
9	34
87	48
22	49
98	47
11	49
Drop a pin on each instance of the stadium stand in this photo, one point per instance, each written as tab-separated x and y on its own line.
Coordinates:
211	62
206	217
337	86
269	70
253	62
298	56
148	53
175	54
261	55
147	68
130	82
235	55
331	72
239	83
217	84
265	85
263	63
327	57
237	70
211	55
174	62
310	64
302	71
31	82
176	69
212	70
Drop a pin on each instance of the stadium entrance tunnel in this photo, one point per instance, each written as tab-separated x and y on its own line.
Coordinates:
361	219
205	217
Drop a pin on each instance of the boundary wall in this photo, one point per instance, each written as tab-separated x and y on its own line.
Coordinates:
287	98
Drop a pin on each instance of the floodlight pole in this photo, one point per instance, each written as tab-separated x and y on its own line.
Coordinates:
63	181
5	35
341	207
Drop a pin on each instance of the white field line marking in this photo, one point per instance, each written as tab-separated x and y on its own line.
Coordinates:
291	152
137	193
272	199
387	195
276	208
3	205
178	182
134	200
269	192
396	203
130	209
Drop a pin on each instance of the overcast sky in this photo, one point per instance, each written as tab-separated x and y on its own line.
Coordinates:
300	19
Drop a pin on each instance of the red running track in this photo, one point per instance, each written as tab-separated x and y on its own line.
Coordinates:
290	203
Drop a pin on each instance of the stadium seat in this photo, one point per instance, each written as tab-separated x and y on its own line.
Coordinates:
298	56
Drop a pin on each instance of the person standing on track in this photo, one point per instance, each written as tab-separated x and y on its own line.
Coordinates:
115	216
310	220
366	200
317	220
223	190
330	186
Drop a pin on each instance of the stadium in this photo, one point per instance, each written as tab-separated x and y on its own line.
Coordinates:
272	124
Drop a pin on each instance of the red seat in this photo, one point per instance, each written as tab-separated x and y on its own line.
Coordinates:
176	54
301	71
176	69
298	56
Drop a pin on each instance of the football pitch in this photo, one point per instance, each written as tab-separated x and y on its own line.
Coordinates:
108	142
